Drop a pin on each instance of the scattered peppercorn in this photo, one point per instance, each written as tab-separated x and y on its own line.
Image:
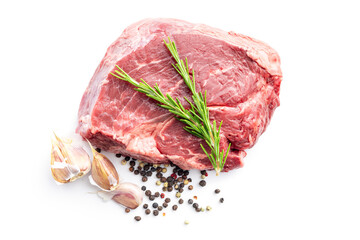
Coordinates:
132	163
195	205
155	205
221	200
146	167
159	175
145	206
152	197
181	201
165	205
144	179
174	207
180	172
198	209
217	191
203	172
152	169
189	179
181	190
137	218
127	158
182	185
149	173
160	208
118	155
190	187
167	200
164	189
143	188
163	179
147	192
142	173
156	212
147	211
127	210
169	189
131	169
202	183
190	201
186	172
157	194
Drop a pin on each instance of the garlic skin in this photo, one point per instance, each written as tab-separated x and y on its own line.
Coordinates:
103	172
68	162
128	195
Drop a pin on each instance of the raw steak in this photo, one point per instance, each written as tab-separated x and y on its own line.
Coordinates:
241	75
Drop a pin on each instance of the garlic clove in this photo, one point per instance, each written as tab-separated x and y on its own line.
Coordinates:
103	172
68	162
128	195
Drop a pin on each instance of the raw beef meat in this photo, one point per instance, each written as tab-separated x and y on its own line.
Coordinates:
241	75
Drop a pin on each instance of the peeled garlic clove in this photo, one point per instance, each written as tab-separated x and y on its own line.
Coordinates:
103	171
68	162
128	195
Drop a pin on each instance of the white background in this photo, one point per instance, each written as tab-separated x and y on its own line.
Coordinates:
300	181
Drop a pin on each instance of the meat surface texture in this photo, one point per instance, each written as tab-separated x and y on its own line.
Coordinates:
241	75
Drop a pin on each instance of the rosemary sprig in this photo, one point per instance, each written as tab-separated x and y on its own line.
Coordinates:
196	118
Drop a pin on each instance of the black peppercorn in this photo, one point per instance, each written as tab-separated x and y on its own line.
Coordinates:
186	172
202	183
131	169
147	211
132	163
144	179
142	173
174	207
217	190
195	205
169	189
127	158
137	218
181	190
149	173
157	194
167	200
160	208
158	169
182	185
190	201
118	155
152	197
152	169
164	189
221	200
181	201
155	205
146	167
139	168
198	209
143	188
147	192
190	187
163	179
159	175
165	205
180	172
156	212
203	172
145	206
136	172
127	210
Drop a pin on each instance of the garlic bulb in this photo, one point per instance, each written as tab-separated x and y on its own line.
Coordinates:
68	162
128	195
103	172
